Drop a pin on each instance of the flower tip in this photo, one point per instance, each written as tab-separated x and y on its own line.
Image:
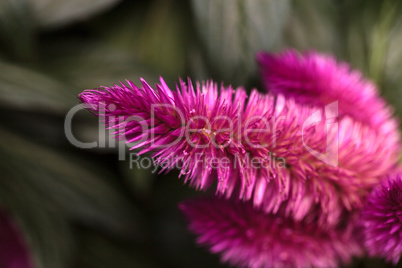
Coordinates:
83	96
145	83
189	82
162	81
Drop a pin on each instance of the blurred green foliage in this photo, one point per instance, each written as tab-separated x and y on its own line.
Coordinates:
84	208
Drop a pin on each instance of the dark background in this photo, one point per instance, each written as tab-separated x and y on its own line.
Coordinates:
84	208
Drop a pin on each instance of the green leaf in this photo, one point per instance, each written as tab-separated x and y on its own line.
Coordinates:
234	30
393	65
368	35
17	28
43	226
56	13
163	38
28	90
100	252
90	65
77	186
312	25
373	44
152	33
380	38
139	180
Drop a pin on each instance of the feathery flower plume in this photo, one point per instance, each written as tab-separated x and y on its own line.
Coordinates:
267	147
315	79
382	220
247	237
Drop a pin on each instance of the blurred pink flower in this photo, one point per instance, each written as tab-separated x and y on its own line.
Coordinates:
247	237
315	79
13	249
382	220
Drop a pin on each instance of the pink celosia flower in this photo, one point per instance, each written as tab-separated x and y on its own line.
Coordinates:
319	80
253	151
247	237
13	250
382	220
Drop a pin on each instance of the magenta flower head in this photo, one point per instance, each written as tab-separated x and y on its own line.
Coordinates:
247	237
267	147
382	220
315	79
13	249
